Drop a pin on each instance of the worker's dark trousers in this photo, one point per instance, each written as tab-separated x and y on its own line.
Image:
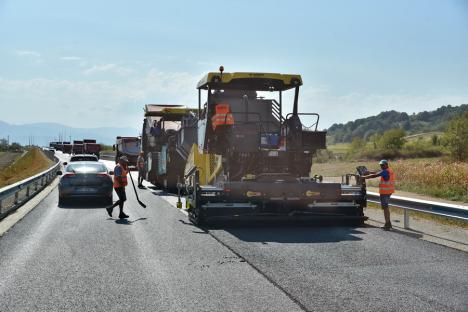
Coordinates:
122	198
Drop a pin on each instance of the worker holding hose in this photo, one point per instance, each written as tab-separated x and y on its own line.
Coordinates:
386	189
120	182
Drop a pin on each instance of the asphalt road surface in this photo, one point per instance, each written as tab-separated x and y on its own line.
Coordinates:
76	258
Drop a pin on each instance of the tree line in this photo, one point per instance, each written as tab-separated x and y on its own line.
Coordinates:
393	143
5	146
422	122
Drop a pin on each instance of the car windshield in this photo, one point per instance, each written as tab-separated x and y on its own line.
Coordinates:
86	168
132	147
83	158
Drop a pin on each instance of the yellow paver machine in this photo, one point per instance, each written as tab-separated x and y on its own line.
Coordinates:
249	160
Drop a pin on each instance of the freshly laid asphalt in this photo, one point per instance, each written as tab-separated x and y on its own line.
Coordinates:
76	258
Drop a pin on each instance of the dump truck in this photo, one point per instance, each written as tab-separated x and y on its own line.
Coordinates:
164	157
67	148
78	147
57	145
250	159
91	147
127	146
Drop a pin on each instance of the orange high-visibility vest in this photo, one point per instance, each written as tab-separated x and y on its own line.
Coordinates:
123	176
387	187
222	116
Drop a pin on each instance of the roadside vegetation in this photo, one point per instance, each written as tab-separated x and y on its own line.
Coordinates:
434	164
106	148
6	147
33	162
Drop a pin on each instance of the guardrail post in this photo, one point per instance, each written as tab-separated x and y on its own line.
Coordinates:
16	197
27	190
406	219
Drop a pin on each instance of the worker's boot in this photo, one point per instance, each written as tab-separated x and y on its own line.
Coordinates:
122	215
387	226
109	210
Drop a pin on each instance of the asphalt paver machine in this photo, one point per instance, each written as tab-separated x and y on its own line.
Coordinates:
165	155
250	159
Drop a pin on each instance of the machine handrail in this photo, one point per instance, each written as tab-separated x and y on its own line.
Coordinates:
307	114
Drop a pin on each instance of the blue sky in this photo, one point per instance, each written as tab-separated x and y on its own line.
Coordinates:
96	63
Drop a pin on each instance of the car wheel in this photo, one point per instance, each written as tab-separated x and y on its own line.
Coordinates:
61	201
108	200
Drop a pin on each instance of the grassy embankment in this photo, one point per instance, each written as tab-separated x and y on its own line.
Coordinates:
30	164
438	177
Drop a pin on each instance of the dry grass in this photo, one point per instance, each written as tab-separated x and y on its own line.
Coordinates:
338	168
30	164
427	176
438	178
339	148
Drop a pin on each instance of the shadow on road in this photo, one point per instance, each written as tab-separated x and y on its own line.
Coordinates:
84	203
126	221
297	235
158	192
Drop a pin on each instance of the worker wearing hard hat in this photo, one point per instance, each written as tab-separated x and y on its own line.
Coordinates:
120	182
386	188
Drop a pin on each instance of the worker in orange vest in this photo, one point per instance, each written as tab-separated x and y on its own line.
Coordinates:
120	182
222	116
386	188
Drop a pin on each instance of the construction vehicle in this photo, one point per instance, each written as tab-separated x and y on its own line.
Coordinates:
58	146
78	147
91	147
127	146
164	157
249	160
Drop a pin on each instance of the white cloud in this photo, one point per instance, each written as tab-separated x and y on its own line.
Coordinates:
74	60
108	68
71	58
104	103
93	103
28	53
343	108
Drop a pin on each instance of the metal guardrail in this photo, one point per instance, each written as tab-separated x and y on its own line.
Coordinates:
107	156
15	195
458	212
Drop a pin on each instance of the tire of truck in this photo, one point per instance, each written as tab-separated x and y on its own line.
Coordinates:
61	201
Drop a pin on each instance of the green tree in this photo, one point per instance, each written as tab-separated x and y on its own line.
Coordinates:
375	139
392	139
3	144
15	146
456	137
435	139
357	145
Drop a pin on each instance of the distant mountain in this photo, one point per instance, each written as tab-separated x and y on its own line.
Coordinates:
43	133
415	123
